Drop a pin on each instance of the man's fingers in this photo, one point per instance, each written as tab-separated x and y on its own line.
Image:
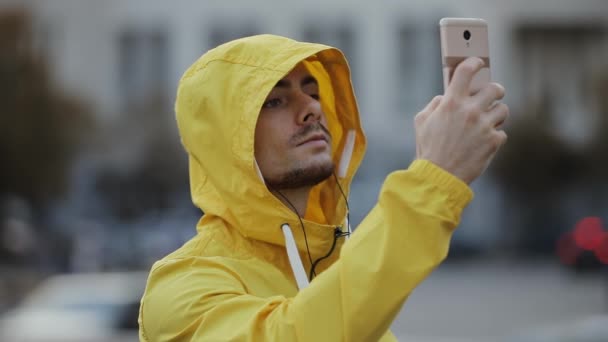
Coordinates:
497	115
488	95
463	75
501	138
431	106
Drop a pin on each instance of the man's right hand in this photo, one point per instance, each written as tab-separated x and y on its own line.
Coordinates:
459	131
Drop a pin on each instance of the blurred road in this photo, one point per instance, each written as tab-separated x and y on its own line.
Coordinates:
506	301
499	300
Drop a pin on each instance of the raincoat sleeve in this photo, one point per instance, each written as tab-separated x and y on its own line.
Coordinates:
404	237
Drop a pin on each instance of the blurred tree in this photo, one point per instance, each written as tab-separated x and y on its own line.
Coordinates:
538	170
597	152
40	127
157	170
534	169
535	160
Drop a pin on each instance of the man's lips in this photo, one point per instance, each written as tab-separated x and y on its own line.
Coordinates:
314	137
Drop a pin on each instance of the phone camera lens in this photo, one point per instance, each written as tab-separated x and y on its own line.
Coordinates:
467	34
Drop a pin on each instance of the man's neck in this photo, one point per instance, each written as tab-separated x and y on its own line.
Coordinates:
294	199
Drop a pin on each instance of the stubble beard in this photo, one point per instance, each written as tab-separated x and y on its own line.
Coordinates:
304	176
300	177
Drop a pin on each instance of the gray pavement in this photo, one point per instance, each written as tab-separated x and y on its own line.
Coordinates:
506	301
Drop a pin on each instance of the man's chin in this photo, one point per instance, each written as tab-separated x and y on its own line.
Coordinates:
302	177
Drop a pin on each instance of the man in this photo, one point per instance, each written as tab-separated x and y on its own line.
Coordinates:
273	135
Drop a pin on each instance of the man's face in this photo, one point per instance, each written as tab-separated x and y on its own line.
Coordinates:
292	143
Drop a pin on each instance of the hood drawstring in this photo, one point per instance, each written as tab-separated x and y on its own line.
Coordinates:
295	261
348	230
347	154
294	258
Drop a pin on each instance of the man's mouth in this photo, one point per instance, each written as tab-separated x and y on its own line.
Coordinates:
315	137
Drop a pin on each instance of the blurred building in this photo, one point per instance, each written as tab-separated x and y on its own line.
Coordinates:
118	54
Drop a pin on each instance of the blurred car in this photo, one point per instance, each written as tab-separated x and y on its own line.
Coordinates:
585	247
92	307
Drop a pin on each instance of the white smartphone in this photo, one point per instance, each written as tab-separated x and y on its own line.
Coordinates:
462	38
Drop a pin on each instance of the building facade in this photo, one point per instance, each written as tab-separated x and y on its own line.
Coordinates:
117	54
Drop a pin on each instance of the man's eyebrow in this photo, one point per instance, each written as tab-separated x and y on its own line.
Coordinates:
283	84
306	81
309	80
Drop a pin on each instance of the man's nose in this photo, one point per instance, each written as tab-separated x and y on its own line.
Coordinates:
309	110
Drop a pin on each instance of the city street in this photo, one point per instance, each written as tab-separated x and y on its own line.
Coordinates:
506	301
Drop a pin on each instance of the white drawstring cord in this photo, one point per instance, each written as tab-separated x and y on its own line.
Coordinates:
258	171
347	153
295	261
347	236
294	257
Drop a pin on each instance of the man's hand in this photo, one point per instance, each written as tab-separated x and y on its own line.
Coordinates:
459	131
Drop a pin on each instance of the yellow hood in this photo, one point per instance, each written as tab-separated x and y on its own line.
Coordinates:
218	102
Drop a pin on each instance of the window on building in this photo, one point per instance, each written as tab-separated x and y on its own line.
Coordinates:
225	32
418	69
339	35
144	67
559	65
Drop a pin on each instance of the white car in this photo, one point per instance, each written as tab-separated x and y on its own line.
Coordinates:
91	307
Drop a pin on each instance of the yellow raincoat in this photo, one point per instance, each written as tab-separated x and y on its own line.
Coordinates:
234	280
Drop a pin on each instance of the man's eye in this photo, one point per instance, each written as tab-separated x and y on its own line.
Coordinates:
316	97
272	103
